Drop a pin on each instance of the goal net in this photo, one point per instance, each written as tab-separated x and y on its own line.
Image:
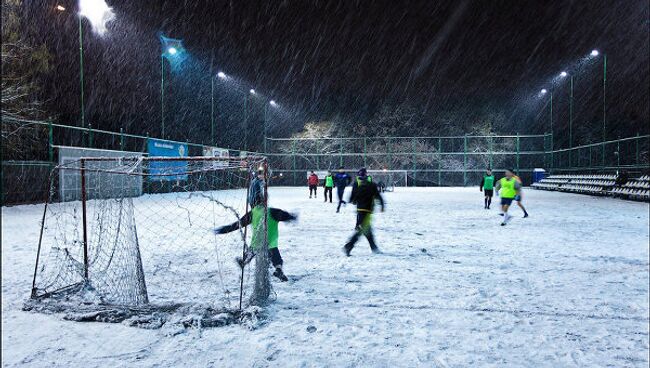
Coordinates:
139	233
387	180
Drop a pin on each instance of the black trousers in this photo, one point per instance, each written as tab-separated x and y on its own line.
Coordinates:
312	188
276	258
340	191
328	190
362	228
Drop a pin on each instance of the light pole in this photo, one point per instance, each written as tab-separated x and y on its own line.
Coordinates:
173	51
604	107
266	108
220	75
252	93
99	14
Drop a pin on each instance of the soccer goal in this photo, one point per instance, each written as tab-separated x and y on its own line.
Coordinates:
137	233
387	180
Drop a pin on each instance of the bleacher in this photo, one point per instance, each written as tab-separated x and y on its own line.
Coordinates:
601	185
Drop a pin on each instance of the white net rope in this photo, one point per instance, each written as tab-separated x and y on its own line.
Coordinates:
150	233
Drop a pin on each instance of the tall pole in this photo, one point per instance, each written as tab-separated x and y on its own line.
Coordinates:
212	109
551	129
211	99
266	112
162	96
571	123
245	122
604	107
81	73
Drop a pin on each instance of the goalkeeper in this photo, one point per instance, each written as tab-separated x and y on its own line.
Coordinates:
256	218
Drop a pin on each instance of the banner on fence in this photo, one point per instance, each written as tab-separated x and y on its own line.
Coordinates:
167	170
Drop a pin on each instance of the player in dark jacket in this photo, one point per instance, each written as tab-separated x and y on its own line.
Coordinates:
341	180
364	194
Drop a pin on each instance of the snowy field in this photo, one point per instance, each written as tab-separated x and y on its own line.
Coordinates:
566	287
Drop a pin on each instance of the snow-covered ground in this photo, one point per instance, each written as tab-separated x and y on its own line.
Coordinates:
566	287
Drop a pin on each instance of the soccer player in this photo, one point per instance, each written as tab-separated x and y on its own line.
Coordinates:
328	185
256	191
255	218
364	194
518	197
510	188
341	180
312	182
487	187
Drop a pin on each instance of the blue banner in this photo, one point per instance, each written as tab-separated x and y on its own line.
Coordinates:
167	170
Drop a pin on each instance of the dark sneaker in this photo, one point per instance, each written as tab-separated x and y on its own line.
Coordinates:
525	214
347	251
503	224
280	275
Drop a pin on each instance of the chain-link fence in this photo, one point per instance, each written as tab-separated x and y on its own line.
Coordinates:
429	161
29	154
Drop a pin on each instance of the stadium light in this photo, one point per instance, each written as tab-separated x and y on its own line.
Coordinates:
252	91
543	91
98	13
221	75
272	103
171	49
60	8
594	53
563	74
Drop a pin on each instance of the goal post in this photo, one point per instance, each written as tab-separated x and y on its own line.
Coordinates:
155	246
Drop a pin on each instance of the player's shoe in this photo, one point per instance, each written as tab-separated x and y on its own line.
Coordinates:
346	251
525	214
280	275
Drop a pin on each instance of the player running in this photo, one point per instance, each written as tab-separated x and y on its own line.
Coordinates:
328	185
341	180
364	194
510	188
312	182
487	187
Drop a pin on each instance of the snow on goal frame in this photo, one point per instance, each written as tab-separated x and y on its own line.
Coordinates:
137	234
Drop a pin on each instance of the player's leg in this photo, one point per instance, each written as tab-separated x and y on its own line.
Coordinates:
347	248
518	200
276	260
505	205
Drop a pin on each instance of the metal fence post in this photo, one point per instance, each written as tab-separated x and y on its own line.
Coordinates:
465	160
364	151
490	150
618	152
50	142
121	139
341	152
517	161
390	157
637	148
317	157
439	161
415	175
293	156
90	135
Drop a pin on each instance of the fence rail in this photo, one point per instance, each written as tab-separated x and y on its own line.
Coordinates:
29	153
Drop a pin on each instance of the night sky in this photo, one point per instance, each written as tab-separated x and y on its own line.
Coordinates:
346	60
